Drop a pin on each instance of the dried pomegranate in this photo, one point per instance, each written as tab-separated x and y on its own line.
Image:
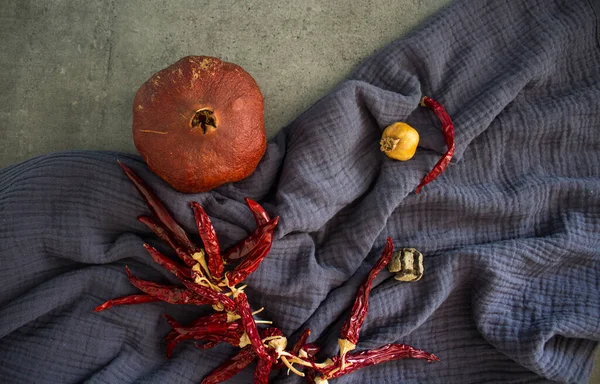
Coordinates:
199	123
399	141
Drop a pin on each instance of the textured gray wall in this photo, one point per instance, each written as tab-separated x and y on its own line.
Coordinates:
69	69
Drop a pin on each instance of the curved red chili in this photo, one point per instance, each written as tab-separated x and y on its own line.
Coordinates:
127	300
219	331
246	246
170	294
385	353
262	371
301	341
261	217
164	235
243	309
448	130
209	239
159	210
211	295
351	328
253	259
231	367
167	263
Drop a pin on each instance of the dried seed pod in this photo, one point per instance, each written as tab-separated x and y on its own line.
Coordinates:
407	263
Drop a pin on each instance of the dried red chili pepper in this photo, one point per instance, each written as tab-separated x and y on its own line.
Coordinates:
448	130
210	241
385	353
253	259
231	367
229	333
261	217
351	329
248	244
210	294
243	309
167	263
127	300
159	210
262	371
163	234
170	294
301	341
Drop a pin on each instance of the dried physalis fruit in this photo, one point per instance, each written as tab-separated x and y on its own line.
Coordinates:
399	141
407	263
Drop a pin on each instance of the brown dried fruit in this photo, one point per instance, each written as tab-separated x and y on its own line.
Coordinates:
199	123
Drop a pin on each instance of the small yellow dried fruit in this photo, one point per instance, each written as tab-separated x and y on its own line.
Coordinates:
399	141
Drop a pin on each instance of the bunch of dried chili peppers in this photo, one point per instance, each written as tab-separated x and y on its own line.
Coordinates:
205	280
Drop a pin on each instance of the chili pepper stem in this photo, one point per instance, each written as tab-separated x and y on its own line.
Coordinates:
263	322
297	360
200	257
290	366
200	279
345	347
258	310
244	340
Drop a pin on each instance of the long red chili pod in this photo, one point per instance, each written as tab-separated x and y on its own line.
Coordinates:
301	341
251	262
167	263
385	353
229	333
243	309
231	367
169	294
221	331
213	318
262	371
211	295
209	239
448	130
127	300
248	244
159	210
351	329
261	217
164	235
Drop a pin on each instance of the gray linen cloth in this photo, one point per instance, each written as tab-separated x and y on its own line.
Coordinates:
510	232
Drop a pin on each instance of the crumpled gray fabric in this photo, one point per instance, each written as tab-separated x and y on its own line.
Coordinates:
510	231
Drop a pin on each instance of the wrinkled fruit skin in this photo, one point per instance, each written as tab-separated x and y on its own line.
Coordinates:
399	141
198	151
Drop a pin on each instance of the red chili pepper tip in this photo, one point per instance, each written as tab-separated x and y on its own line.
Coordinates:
210	240
159	209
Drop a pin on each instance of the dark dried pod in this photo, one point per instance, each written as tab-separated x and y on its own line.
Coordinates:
407	263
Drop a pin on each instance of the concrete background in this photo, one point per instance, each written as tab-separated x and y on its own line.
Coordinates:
69	69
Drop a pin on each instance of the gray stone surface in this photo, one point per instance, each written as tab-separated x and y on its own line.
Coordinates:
69	69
